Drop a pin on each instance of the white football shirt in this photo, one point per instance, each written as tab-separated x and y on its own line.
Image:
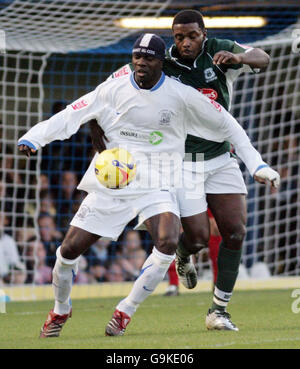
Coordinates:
151	124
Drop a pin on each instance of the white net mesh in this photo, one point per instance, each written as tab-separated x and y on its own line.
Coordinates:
268	105
63	26
21	107
30	31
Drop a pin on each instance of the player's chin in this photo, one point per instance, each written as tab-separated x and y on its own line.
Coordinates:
187	55
142	76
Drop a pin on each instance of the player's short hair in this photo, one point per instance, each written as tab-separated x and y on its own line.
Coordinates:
189	16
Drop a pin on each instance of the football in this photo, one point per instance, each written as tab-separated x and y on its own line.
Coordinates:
115	168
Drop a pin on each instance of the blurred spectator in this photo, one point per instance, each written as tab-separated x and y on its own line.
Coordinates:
114	273
9	178
82	276
47	203
44	182
132	256
65	199
97	257
97	272
7	155
68	184
42	273
38	271
50	237
12	270
2	189
99	251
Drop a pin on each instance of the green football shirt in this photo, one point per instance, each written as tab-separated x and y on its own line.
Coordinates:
215	81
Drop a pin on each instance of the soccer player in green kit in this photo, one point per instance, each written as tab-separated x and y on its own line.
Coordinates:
211	66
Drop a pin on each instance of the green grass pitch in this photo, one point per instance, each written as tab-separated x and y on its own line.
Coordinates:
265	320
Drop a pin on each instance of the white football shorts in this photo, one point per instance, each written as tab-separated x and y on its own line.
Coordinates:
225	179
107	216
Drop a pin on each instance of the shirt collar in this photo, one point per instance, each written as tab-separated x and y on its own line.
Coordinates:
174	55
155	87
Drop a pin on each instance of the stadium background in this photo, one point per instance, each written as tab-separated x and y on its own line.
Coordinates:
36	83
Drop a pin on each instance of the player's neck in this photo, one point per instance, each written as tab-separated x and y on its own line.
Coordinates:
147	85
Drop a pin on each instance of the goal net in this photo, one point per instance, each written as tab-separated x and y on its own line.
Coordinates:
56	51
267	106
48	59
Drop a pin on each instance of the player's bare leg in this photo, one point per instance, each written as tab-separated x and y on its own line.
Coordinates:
230	213
164	230
75	243
193	240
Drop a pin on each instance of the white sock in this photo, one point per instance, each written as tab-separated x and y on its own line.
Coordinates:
153	272
63	274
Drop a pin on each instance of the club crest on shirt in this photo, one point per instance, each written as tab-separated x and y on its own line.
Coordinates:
209	75
165	117
83	212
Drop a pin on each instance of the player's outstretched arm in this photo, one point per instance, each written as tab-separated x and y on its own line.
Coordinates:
211	121
255	58
62	125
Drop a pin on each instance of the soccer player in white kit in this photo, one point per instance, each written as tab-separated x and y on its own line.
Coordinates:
129	110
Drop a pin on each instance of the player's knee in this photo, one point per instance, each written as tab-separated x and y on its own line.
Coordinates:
69	249
236	236
196	241
167	244
195	247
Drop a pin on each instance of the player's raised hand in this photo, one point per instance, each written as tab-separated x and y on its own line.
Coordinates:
26	150
266	174
226	57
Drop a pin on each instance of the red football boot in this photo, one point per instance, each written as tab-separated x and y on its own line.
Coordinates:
118	323
54	324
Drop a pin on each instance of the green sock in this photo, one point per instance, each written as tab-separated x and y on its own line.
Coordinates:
181	250
228	269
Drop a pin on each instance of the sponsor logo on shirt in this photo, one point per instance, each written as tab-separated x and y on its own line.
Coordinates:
154	138
209	92
121	72
79	105
176	78
209	75
216	105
